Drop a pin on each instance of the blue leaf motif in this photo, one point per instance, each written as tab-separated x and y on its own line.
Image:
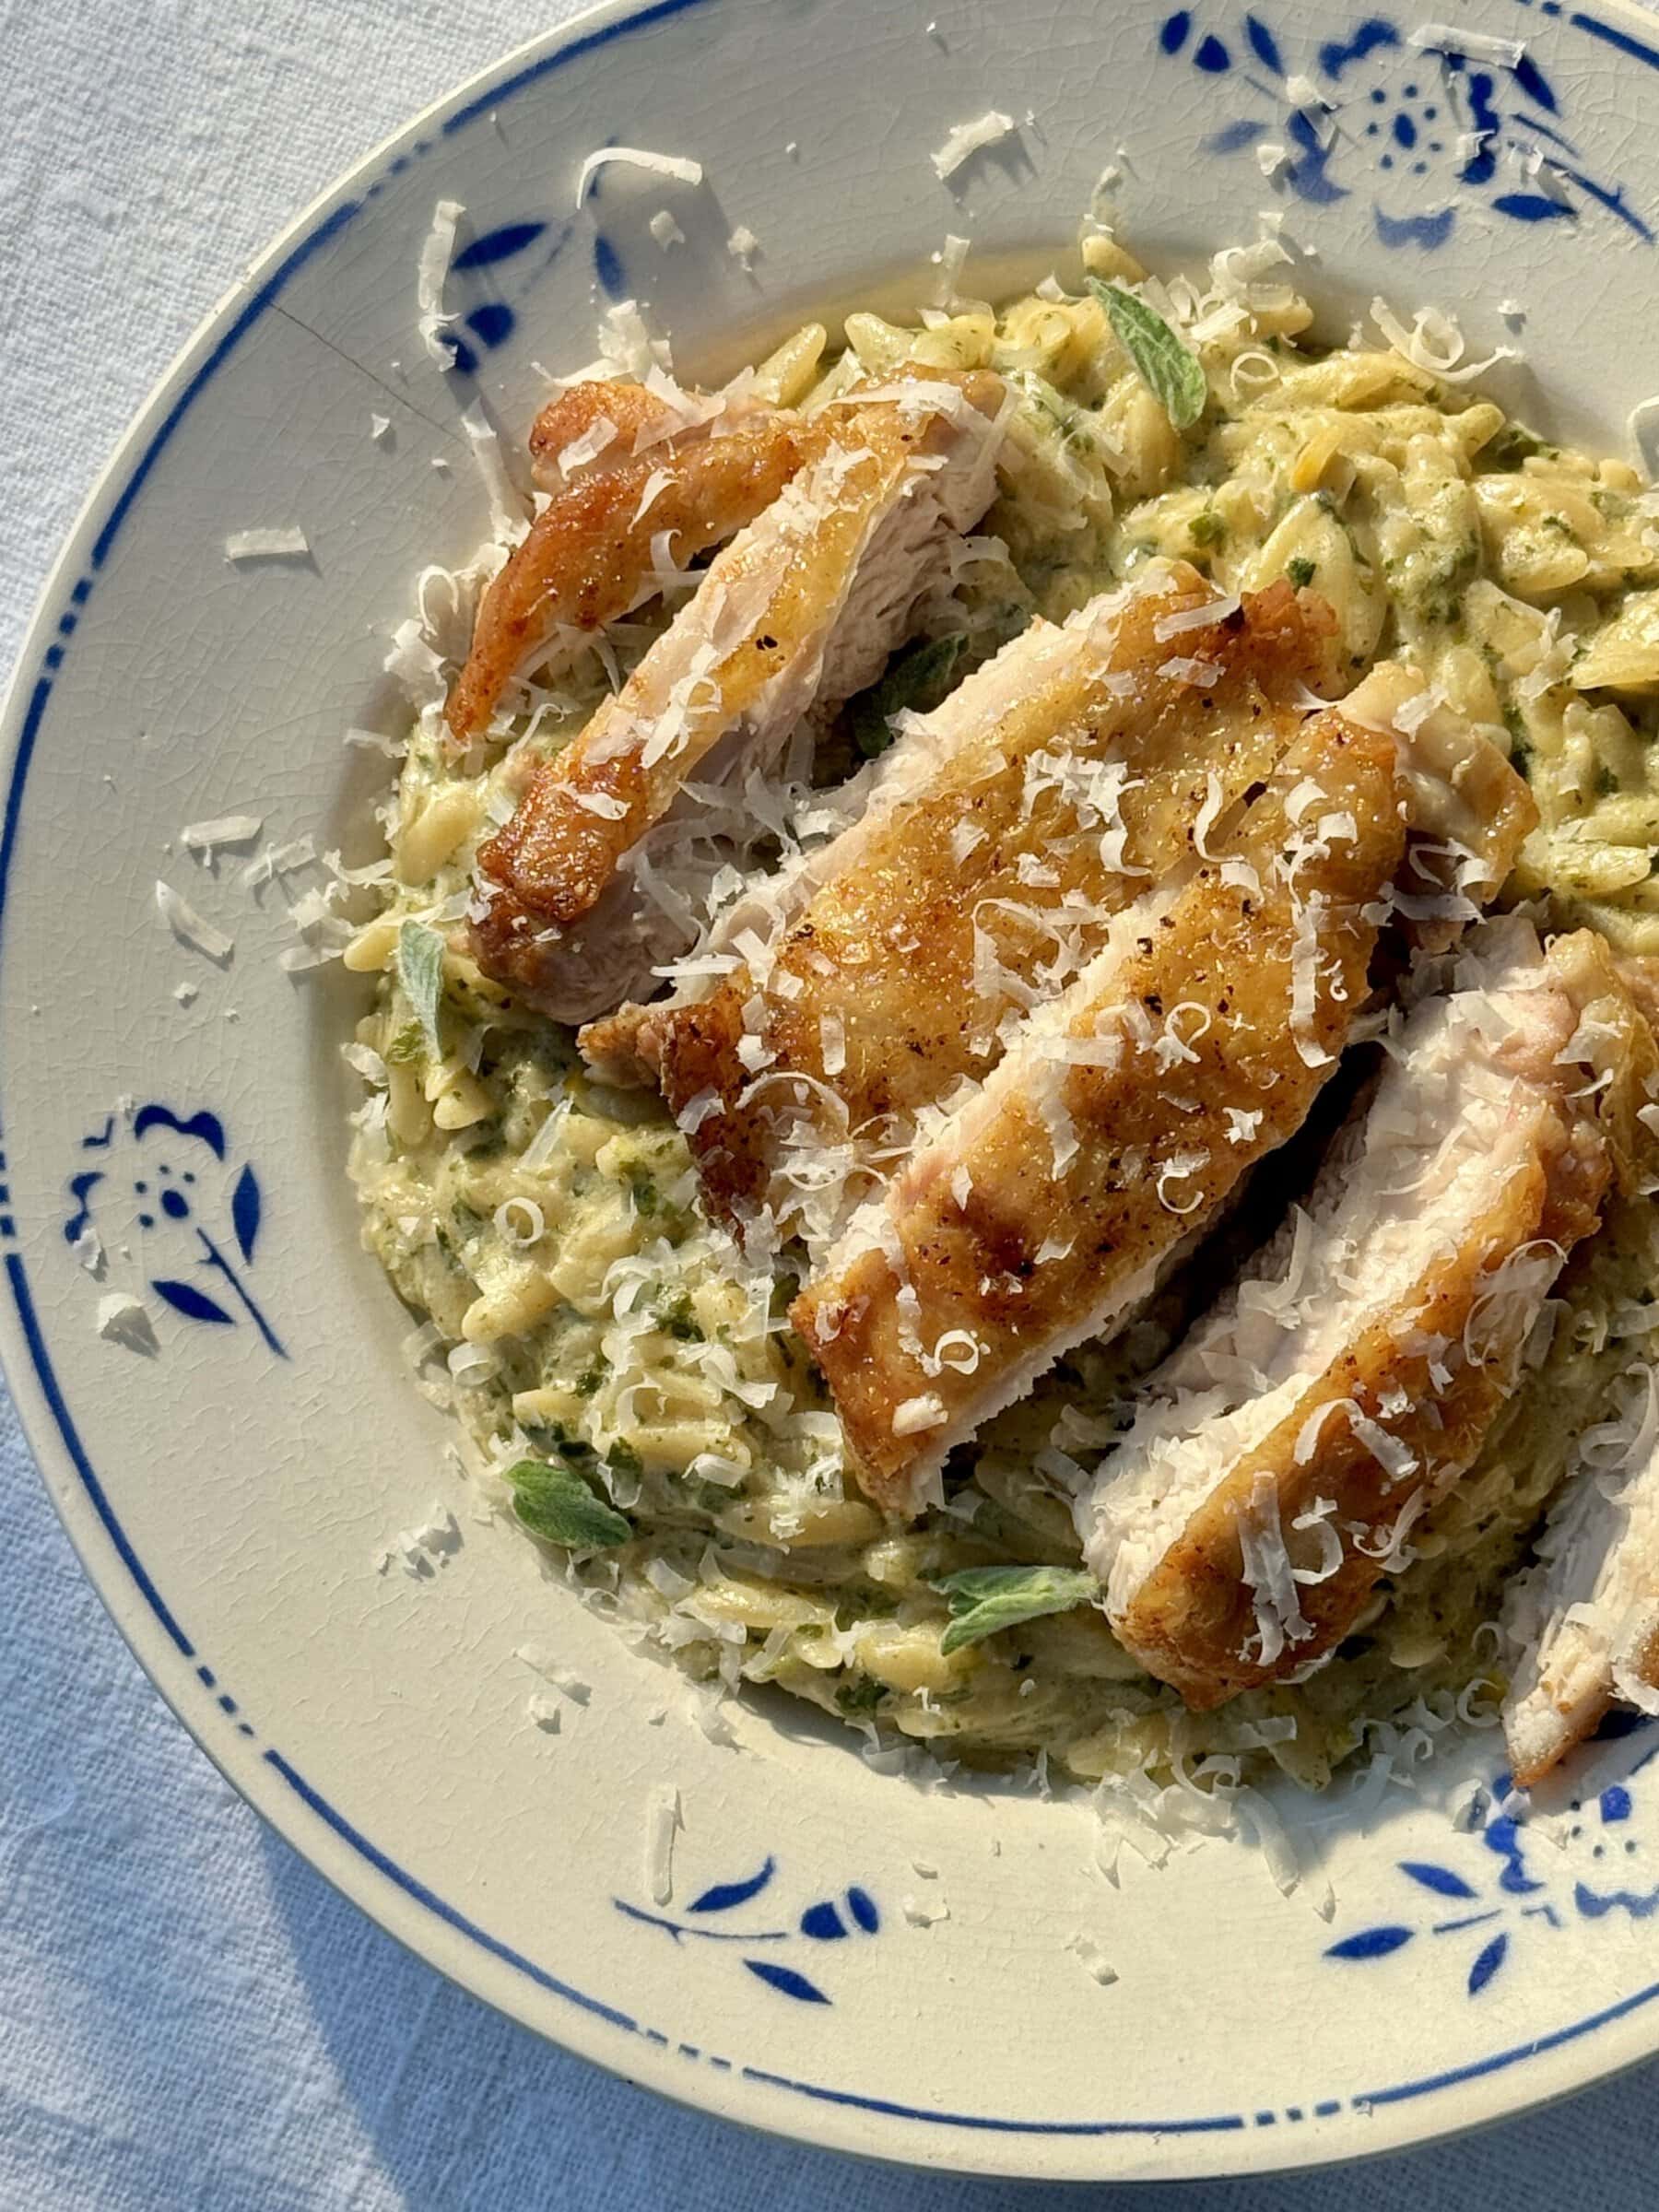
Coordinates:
1234	136
725	1895
1370	1943
493	323
1171	35
786	1980
1263	44
1212	56
195	1305
1441	1879
1535	85
1486	1965
607	267
245	1211
1530	207
823	1924
498	245
861	1906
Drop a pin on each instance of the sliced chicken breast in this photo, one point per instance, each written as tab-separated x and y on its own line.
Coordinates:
1584	1619
618	521
1042	1211
979	875
799	612
1279	1459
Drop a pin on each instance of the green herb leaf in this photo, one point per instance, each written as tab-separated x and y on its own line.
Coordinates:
1300	571
555	1502
984	1599
1512	445
405	1046
1207	528
917	680
859	1695
420	971
1170	372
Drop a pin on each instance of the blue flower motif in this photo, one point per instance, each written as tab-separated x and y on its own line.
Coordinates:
165	1176
1420	132
1493	1894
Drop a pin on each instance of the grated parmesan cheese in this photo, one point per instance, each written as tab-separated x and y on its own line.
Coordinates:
1467	45
682	169
914	1416
1094	1960
205	838
290	543
189	928
966	139
123	1320
431	275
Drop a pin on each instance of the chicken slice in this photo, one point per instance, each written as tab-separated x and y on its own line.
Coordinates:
800	611
1279	1458
600	545
1001	835
1043	1210
589	429
627	1047
1584	1619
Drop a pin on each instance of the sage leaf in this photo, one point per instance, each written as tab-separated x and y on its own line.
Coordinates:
420	971
555	1502
917	678
984	1599
1170	372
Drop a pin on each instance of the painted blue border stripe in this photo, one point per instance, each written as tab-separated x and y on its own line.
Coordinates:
589	44
1621	40
20	777
1500	2059
434	1903
249	313
83	1466
986	2123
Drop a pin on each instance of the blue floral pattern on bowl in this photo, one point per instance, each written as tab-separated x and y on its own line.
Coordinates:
1523	1893
159	1187
1420	125
827	1920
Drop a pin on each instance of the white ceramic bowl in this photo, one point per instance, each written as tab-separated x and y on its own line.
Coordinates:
229	1490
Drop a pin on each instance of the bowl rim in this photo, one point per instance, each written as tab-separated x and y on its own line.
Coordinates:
435	1931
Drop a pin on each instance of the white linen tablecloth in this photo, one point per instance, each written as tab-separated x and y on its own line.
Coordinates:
190	2021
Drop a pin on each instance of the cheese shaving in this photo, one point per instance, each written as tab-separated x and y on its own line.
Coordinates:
966	139
123	1320
431	275
682	169
290	543
189	927
1468	45
223	829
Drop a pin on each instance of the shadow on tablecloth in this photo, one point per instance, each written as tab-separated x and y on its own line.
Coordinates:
469	2112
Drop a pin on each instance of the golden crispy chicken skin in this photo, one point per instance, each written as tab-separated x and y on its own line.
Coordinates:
1121	1118
800	610
589	557
607	422
984	872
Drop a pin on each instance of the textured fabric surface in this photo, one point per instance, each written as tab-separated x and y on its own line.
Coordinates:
190	2020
